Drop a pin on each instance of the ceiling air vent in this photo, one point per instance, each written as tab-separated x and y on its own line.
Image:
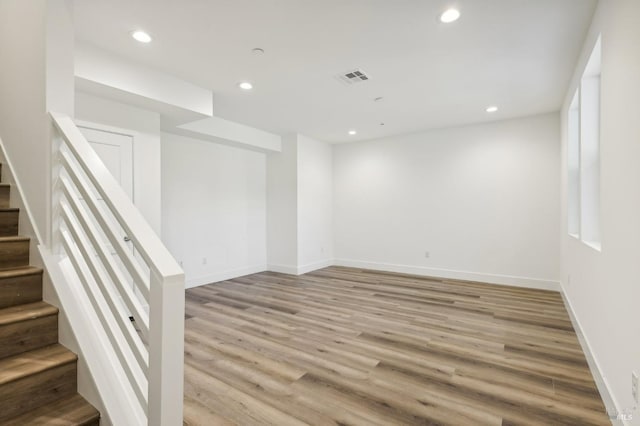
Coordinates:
353	76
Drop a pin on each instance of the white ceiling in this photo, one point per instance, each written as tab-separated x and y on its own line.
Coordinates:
517	54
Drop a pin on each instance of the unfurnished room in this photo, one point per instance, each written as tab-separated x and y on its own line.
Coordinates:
319	212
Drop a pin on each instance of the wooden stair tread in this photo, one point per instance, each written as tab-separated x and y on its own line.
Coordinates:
5	195
19	272
9	221
14	252
26	312
19	286
13	238
35	361
70	411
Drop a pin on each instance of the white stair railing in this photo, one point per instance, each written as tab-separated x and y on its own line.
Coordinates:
94	224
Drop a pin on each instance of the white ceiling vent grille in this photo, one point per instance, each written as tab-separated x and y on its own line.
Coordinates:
354	76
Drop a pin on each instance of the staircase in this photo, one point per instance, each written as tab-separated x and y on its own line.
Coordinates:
37	374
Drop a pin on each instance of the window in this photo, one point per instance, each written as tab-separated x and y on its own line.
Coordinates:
583	155
573	167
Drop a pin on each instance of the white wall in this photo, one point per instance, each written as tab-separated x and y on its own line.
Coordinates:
603	287
213	207
36	76
282	207
300	206
315	204
145	127
482	200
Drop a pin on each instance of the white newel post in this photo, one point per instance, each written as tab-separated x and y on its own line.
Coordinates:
166	350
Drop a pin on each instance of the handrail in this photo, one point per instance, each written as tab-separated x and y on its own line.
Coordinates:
90	227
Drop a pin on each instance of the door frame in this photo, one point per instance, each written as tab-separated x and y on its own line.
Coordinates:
119	131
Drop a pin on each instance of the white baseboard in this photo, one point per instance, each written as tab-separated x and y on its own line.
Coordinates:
510	280
283	269
300	269
314	266
613	408
224	275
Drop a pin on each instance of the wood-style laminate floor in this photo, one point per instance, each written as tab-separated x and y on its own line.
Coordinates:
343	346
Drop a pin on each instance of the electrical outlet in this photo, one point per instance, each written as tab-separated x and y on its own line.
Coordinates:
634	386
569	279
204	260
427	254
180	262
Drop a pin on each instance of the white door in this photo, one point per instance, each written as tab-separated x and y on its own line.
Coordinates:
116	152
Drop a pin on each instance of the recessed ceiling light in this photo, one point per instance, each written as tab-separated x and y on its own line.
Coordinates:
141	36
449	15
257	51
245	85
492	109
352	132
